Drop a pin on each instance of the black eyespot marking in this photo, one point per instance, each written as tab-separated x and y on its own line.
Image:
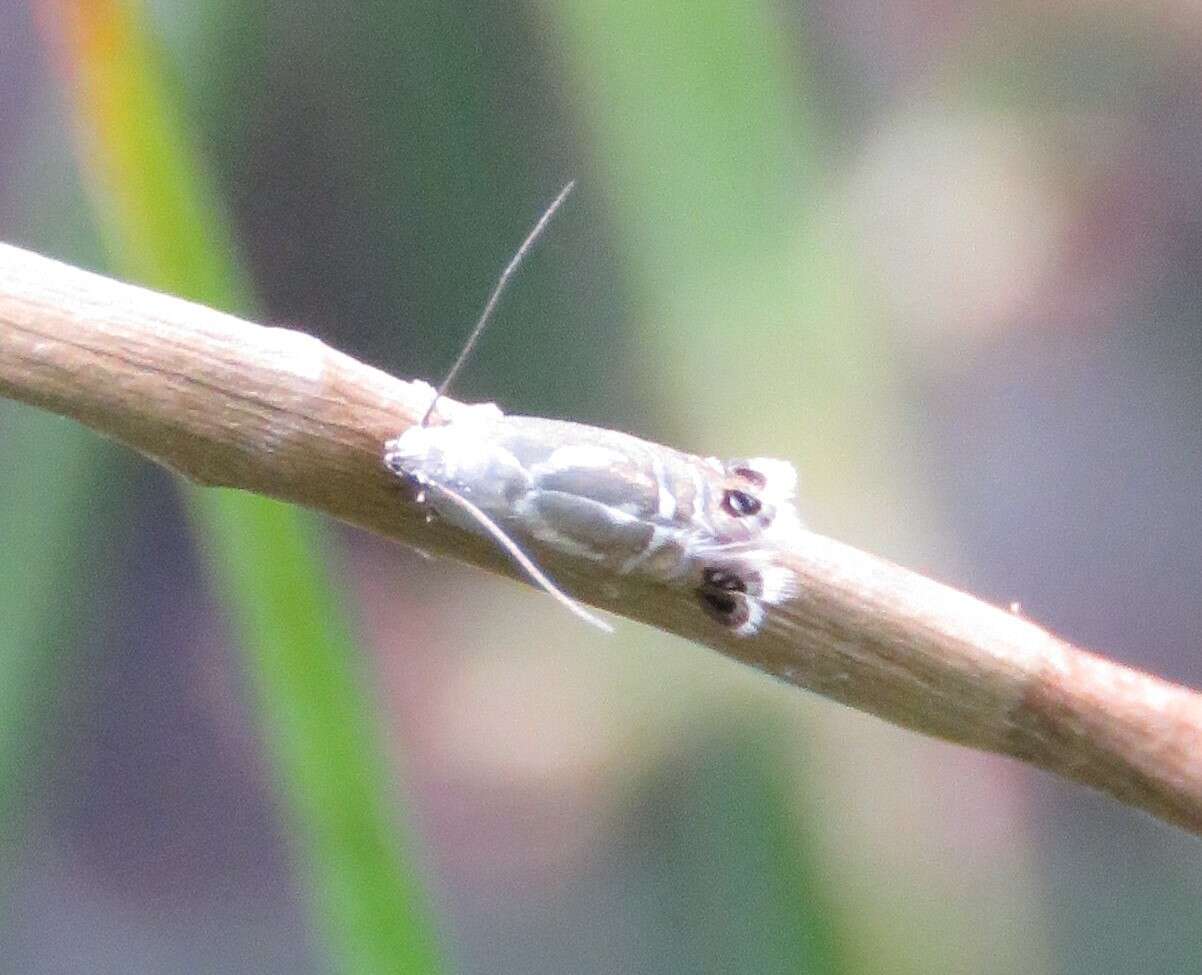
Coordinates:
753	477
724	579
729	609
722	603
740	504
723	596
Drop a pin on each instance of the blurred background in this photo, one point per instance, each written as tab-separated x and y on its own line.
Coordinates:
943	256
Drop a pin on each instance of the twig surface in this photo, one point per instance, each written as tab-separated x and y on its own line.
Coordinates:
226	402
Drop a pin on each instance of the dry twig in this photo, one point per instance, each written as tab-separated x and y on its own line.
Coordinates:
226	402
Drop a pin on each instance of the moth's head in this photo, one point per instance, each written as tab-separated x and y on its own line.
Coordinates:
754	500
445	448
444	452
462	456
411	451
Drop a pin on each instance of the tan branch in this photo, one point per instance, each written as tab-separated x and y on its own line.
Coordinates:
227	402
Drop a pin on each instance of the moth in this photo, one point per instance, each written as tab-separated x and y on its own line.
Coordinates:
613	499
627	505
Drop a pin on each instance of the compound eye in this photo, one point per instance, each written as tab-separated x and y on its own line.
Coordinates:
740	504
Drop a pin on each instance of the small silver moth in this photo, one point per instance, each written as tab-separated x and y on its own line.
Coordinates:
623	503
628	505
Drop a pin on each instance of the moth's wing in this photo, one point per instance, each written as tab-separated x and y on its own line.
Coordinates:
586	527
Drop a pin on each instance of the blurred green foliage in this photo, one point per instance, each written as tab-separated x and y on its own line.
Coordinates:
51	521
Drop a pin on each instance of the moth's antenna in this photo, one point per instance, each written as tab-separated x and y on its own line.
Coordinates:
515	552
496	296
